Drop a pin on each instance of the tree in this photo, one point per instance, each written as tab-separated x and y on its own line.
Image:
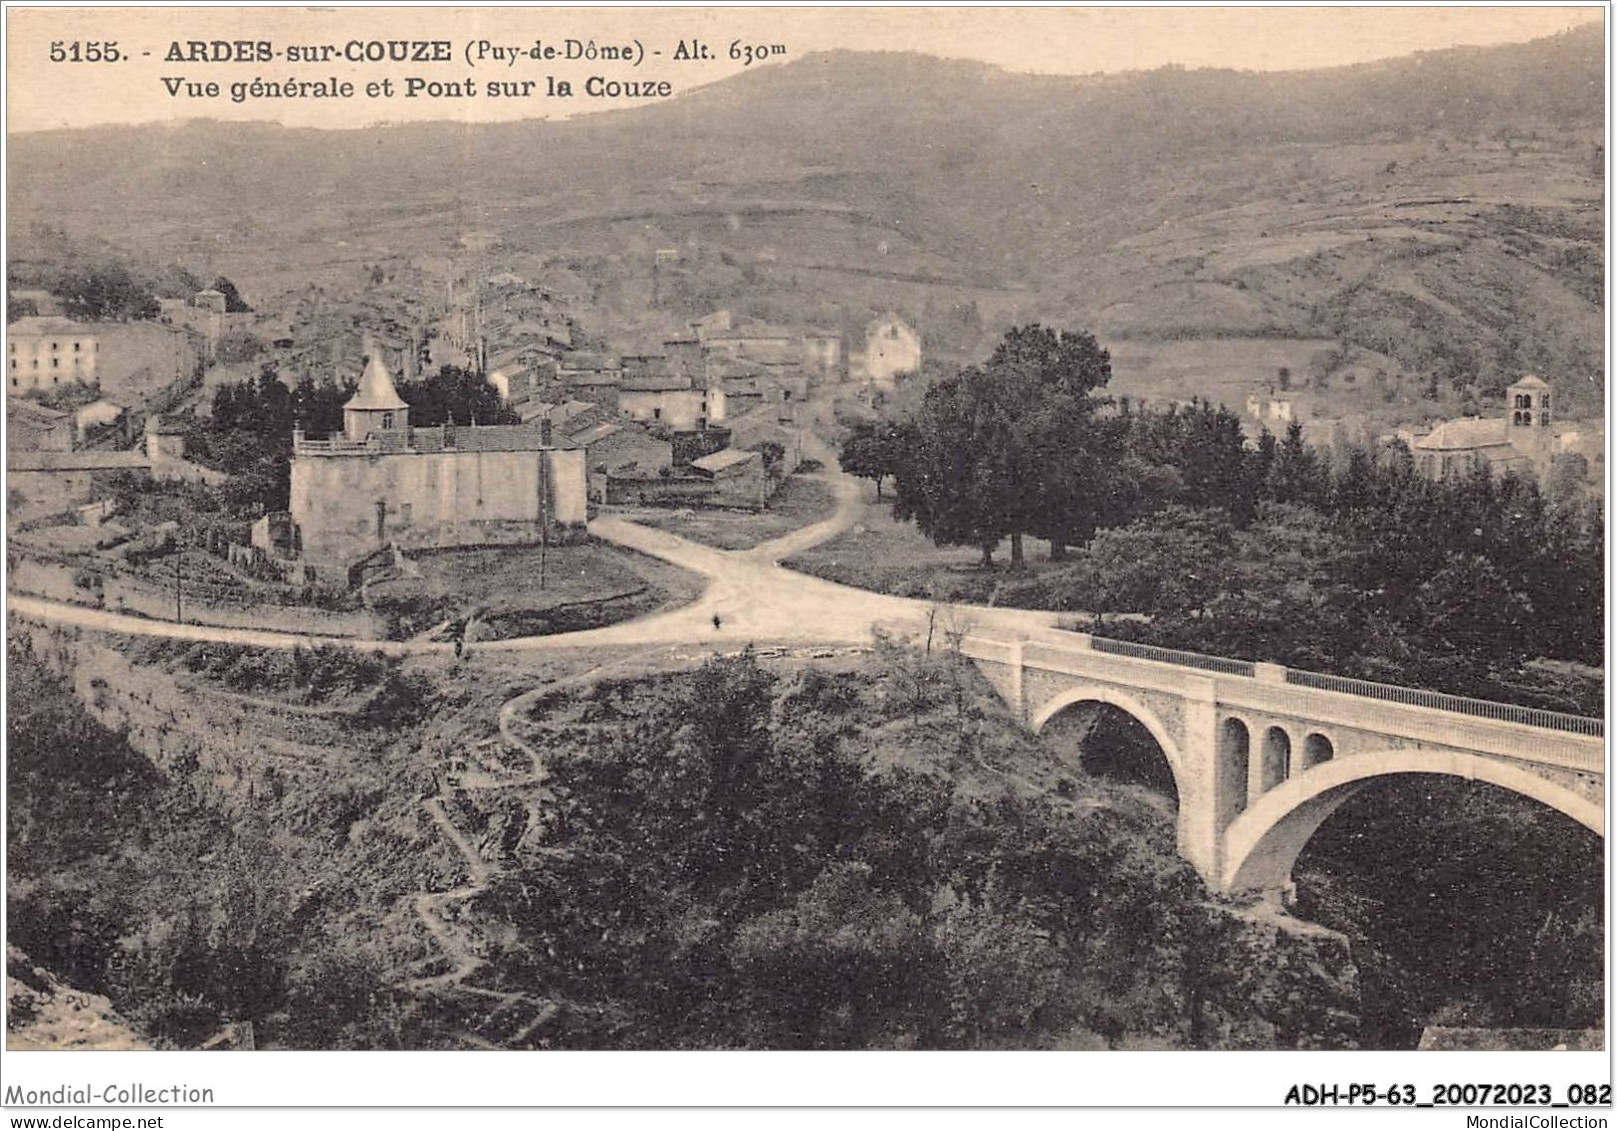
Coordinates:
958	477
455	396
234	303
1011	449
1296	474
1070	361
1068	454
871	451
772	451
237	345
1173	563
106	294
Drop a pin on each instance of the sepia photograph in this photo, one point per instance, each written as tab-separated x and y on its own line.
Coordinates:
591	530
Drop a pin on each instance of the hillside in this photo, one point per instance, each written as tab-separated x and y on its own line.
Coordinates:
1439	214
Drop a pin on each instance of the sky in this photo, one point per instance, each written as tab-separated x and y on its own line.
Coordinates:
46	94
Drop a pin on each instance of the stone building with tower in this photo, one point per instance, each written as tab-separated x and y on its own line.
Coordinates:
1522	438
386	483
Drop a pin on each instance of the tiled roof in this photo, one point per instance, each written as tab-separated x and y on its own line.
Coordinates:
595	434
24	411
1464	435
501	438
762	331
41	325
569	409
76	461
719	461
589	361
657	383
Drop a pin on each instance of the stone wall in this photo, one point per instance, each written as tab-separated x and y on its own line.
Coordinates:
183	724
149	597
659	491
432	499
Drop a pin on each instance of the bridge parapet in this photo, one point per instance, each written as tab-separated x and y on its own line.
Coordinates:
1429	718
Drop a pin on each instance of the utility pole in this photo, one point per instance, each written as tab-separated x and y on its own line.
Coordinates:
179	617
544	513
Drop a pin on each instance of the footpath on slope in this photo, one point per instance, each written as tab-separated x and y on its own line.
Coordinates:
439	910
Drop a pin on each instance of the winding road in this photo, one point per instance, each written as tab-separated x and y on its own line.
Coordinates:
756	599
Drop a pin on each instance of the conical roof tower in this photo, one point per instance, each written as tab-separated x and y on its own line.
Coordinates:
376	405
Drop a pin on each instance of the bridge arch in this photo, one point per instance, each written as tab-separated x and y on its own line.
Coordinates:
1317	748
1234	760
1273	766
1129	705
1263	843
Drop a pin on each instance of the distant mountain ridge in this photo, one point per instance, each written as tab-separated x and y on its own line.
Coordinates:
1163	203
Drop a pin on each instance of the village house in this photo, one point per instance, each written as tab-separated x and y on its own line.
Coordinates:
812	355
891	348
588	377
672	400
33	427
566	418
34	300
50	481
738	477
728	477
625	451
210	300
385	483
44	353
769	345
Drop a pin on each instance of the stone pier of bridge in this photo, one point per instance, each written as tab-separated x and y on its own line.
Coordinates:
1261	755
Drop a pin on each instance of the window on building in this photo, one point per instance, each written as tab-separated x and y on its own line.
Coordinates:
387	420
56	346
656	414
76	347
56	363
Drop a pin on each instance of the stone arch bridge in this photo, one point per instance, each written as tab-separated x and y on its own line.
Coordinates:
1261	755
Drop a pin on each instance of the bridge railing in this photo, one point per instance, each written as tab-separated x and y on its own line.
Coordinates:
1386	692
1458	704
1220	664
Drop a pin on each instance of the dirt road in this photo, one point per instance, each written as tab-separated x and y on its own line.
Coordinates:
754	598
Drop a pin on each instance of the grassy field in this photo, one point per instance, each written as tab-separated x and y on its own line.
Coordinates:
587	585
894	557
800	502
